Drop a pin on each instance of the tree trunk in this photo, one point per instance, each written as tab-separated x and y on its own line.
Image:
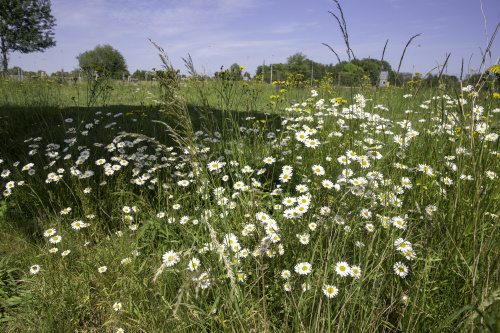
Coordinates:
5	60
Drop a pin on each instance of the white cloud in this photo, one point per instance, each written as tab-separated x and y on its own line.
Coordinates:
290	28
166	18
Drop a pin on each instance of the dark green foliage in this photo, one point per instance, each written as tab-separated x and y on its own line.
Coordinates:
15	70
297	63
142	75
12	291
236	72
372	68
433	81
25	26
104	56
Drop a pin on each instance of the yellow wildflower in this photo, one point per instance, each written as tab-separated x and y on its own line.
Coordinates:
494	69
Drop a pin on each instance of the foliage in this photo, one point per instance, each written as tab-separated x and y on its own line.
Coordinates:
106	57
297	63
12	292
372	67
233	73
236	72
15	70
434	81
352	69
142	75
98	84
25	26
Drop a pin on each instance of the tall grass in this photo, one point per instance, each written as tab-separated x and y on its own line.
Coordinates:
219	206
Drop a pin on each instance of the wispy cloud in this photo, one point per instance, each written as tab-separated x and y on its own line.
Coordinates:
161	18
289	28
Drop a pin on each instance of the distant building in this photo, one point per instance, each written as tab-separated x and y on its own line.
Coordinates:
383	78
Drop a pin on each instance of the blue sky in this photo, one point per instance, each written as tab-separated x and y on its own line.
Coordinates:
221	32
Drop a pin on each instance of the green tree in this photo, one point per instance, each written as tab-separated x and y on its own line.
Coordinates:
352	68
105	56
141	74
25	26
372	68
137	74
433	81
15	70
351	74
76	72
235	72
298	64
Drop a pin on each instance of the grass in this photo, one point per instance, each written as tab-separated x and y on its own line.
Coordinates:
201	170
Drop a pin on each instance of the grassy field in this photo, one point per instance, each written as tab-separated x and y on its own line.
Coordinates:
231	206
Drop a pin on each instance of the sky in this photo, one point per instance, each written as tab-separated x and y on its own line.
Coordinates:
250	32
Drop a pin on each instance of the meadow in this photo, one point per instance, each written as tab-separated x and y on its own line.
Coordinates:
232	206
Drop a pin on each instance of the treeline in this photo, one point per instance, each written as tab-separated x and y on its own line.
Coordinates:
344	73
356	72
434	81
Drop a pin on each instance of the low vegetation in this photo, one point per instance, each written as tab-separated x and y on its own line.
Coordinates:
221	205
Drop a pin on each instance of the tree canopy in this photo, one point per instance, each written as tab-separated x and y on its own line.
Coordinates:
236	72
297	63
25	26
104	56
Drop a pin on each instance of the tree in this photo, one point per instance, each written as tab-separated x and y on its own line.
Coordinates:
372	68
296	59
14	71
105	56
25	26
351	74
236	72
433	81
353	69
139	74
297	64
